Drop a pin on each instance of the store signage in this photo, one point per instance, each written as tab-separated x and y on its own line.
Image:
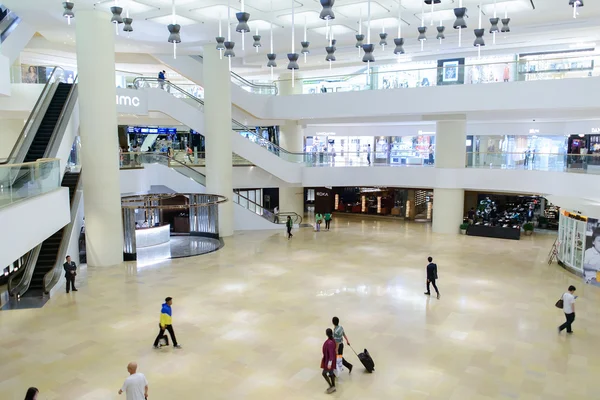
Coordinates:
595	130
322	194
131	101
533	131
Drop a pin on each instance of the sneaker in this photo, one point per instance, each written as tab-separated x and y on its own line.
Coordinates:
427	293
438	295
177	346
331	390
75	290
156	347
350	369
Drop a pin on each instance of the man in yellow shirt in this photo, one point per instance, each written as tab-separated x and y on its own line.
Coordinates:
166	324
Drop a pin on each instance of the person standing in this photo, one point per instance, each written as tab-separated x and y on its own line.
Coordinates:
471	216
318	220
329	360
70	274
432	277
327	220
161	79
568	299
136	385
431	154
369	154
339	335
166	323
276	214
289	224
32	393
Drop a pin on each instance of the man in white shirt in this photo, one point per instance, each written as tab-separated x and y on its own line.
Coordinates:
136	385
569	309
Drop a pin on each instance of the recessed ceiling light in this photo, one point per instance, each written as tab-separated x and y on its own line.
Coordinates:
382	22
132	6
311	17
261	25
265	5
168	19
336	29
214	12
357	9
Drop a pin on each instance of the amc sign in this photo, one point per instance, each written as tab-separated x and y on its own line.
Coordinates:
131	101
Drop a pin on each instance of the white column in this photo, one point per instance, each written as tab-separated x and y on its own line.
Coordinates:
99	141
291	138
217	131
450	152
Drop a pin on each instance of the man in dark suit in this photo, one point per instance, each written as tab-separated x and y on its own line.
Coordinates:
70	273
432	276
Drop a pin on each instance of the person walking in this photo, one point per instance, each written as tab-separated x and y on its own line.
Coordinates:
568	299
289	224
70	273
328	361
318	220
369	154
32	393
136	385
327	220
166	323
432	277
339	335
276	214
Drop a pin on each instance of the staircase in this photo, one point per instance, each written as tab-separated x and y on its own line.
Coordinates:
43	135
47	258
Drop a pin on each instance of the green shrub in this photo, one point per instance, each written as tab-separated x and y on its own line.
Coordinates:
528	226
464	226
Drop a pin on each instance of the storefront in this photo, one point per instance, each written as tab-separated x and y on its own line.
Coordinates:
578	245
556	65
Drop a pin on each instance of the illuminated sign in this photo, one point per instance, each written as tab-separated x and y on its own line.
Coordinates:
322	194
534	131
595	130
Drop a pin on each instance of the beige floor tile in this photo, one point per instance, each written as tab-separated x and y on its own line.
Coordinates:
251	318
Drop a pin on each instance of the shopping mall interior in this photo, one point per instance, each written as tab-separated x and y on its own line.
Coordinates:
200	187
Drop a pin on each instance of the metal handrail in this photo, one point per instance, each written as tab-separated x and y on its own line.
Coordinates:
13	21
146	158
27	274
239	125
266	214
52	277
14	154
272	88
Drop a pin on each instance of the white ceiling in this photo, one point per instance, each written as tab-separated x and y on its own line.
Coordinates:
550	24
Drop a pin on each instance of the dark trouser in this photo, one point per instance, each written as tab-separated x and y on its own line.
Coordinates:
567	325
162	332
341	353
327	224
70	281
329	377
289	232
276	218
432	281
369	159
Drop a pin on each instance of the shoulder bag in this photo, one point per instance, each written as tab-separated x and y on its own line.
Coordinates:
560	303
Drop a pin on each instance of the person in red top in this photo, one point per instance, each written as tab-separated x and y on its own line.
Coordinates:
328	361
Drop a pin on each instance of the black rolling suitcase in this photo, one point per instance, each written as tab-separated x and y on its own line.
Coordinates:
366	360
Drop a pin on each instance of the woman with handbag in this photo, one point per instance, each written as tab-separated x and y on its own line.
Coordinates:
328	362
567	303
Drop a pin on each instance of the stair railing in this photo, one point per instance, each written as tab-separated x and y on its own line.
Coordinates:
279	218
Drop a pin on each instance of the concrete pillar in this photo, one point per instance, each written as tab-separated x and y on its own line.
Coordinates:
99	141
285	83
217	131
450	152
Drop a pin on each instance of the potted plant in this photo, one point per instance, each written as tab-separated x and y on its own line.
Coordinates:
543	222
463	228
528	228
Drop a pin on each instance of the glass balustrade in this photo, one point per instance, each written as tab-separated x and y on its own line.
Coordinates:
26	180
527	68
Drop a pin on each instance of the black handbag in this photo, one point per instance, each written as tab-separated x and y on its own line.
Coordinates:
560	303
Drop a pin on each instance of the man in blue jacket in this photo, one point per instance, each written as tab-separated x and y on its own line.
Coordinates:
166	323
432	277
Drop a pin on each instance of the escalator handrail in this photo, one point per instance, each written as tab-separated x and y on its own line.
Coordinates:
266	213
60	122
238	124
52	277
272	88
14	156
5	31
145	157
27	274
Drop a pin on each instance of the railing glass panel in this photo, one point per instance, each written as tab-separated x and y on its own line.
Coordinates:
26	180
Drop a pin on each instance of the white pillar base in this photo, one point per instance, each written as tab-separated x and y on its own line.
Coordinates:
448	205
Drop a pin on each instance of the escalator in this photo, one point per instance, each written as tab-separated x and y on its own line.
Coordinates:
50	248
40	142
8	22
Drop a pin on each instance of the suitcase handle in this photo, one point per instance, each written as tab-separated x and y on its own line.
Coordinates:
353	350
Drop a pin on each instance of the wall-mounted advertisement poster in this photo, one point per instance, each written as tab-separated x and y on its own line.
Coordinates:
451	71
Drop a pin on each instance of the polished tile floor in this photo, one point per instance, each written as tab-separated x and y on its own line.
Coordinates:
251	319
